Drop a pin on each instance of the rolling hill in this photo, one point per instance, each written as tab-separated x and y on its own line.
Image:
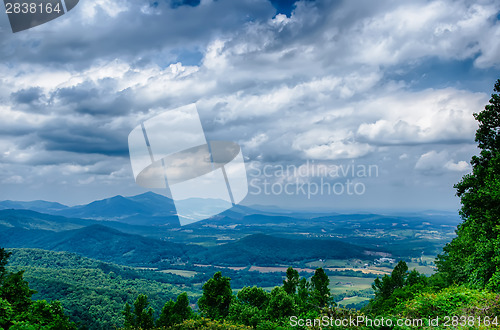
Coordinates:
40	206
145	209
27	219
260	249
94	241
90	238
94	292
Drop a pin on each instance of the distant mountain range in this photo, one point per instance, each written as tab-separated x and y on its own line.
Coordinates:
96	239
39	206
144	230
101	243
146	209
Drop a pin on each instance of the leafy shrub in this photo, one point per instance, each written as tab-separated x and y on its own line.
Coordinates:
207	324
454	301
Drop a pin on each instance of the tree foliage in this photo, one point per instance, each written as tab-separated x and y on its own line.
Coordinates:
92	292
292	281
473	257
249	307
216	298
18	311
142	315
208	324
320	291
175	312
401	285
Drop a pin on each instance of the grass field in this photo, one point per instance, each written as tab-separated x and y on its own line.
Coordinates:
352	300
341	284
427	270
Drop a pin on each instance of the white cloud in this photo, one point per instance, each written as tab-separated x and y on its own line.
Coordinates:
461	166
434	162
90	9
324	144
429	116
256	141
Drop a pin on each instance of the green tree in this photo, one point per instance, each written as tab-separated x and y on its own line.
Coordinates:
49	315
400	286
320	291
141	316
385	287
245	314
303	290
292	281
4	256
18	311
473	256
254	296
129	317
281	304
249	306
6	313
17	292
216	298
175	312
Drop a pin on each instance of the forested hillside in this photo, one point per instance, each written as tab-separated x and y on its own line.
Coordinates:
255	249
93	292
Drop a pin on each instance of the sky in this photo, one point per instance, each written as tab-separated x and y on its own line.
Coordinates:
340	105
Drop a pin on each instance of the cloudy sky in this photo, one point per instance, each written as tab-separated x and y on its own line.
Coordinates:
315	84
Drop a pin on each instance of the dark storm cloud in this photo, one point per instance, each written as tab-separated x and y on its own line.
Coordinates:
95	99
178	3
85	140
75	136
131	30
84	137
27	96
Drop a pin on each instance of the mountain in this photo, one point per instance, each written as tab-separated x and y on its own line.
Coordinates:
153	209
145	209
114	208
261	249
153	216
27	219
39	206
93	241
157	204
